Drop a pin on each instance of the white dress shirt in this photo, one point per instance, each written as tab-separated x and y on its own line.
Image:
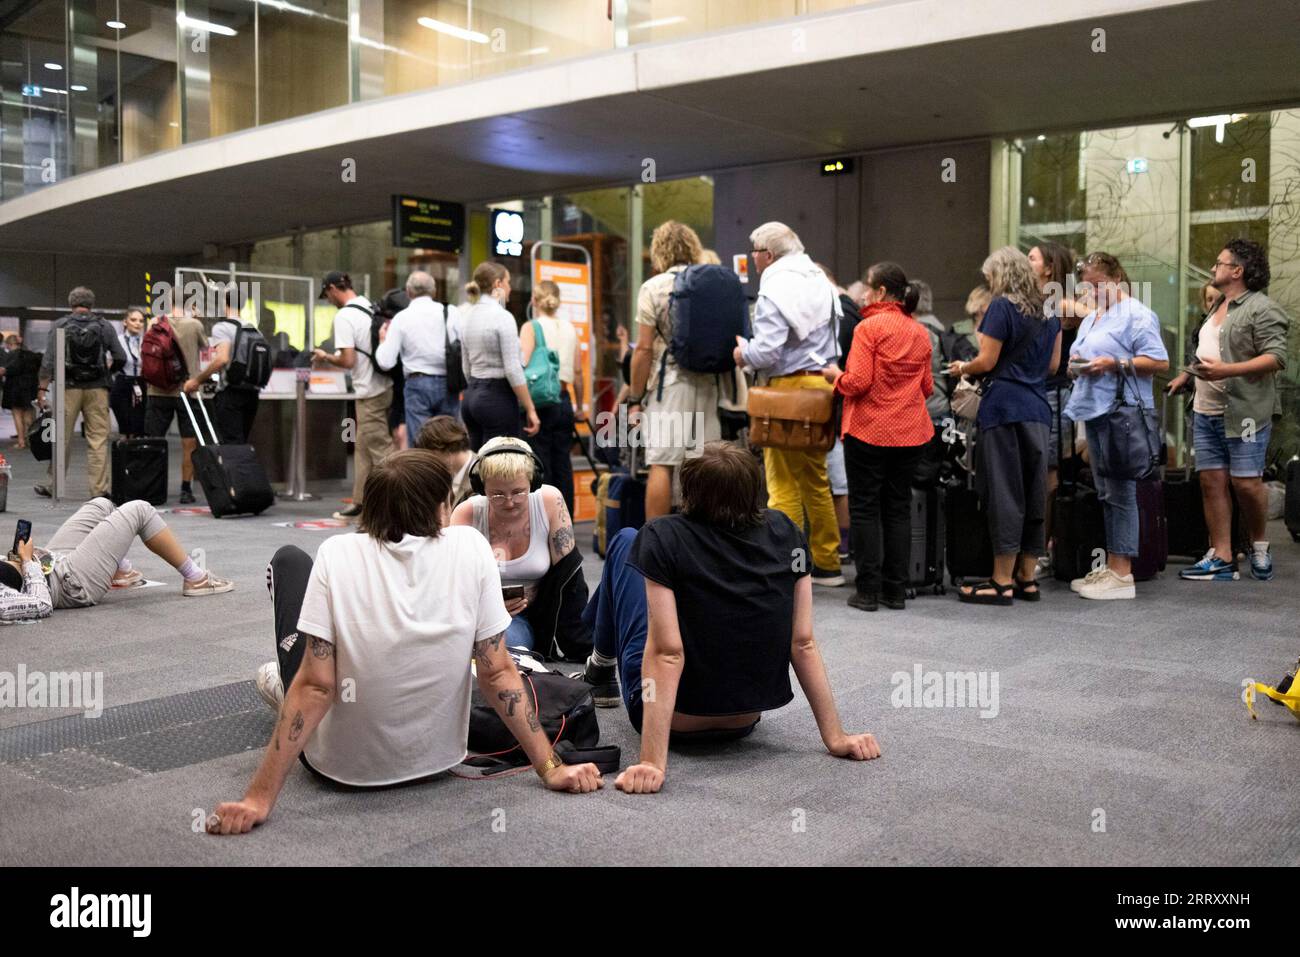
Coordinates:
417	335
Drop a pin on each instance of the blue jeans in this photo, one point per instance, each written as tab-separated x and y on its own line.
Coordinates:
426	396
519	634
1119	504
617	616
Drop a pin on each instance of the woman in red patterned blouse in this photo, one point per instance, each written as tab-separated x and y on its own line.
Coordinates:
885	429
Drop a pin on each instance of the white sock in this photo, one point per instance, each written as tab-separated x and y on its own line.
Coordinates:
124	565
601	661
1261	547
192	572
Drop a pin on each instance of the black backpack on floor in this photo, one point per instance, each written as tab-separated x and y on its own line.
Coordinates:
566	710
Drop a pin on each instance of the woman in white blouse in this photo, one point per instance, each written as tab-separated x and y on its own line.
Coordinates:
497	392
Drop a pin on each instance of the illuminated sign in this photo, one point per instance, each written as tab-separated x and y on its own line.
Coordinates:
31	89
1137	164
835	167
428	224
507	232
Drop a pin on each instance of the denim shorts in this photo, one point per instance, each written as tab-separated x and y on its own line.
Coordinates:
1214	450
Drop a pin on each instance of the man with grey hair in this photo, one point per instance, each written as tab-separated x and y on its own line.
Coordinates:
794	338
937	404
89	342
418	336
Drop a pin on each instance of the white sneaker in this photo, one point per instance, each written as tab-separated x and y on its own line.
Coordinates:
211	585
1109	586
1091	578
269	685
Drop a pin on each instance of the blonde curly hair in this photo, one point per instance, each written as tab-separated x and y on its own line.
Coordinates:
674	244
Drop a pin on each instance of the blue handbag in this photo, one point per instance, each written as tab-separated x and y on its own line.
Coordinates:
1131	449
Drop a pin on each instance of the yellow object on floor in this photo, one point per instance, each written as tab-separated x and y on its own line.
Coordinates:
1290	698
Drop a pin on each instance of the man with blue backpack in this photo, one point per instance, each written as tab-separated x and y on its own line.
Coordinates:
688	317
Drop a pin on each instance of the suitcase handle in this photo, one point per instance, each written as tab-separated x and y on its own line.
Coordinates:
194	422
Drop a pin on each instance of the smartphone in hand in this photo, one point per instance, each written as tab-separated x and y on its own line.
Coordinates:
512	592
21	534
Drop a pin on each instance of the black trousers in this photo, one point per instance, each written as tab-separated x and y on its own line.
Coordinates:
1011	478
130	414
553	444
880	523
233	411
491	409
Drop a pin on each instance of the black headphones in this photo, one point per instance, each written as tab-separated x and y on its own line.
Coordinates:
476	480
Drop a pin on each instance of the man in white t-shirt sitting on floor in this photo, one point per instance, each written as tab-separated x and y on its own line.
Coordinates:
392	617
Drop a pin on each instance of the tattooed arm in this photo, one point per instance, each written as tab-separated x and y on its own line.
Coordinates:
560	524
504	687
305	704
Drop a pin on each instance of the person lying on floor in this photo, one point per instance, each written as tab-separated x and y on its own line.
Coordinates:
392	615
87	557
531	534
725	590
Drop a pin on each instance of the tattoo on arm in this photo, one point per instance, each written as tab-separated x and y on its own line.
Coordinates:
562	540
511	698
320	648
483	650
530	712
295	730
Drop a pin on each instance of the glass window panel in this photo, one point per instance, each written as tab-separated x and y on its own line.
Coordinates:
1230	162
34	143
303	56
217	48
149	85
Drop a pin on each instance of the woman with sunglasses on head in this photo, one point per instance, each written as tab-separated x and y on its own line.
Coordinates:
531	534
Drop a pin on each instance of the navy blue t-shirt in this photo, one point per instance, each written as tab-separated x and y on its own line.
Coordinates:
1015	391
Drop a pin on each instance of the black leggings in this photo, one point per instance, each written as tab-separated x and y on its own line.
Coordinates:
490	409
553	444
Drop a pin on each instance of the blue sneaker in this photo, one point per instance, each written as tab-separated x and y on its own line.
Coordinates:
1211	568
1261	563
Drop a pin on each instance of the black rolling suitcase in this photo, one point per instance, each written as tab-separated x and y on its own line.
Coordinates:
233	480
968	550
1291	514
925	562
139	471
1078	526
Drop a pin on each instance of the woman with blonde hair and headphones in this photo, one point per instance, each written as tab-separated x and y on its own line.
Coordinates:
531	534
553	442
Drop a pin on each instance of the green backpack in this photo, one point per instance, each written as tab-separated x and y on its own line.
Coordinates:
543	370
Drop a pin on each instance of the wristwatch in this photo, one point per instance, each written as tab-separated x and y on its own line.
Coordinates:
549	765
636	399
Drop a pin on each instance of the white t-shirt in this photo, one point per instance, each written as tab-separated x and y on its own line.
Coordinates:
563	338
352	327
1210	398
403	618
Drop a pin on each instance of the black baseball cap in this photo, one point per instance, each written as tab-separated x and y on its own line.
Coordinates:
335	278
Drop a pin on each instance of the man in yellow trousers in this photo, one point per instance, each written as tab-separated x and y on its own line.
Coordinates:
793	339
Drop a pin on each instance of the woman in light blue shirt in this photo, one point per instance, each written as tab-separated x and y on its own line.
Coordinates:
1118	342
127	395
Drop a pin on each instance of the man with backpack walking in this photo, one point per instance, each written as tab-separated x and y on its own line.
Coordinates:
90	341
356	337
242	358
687	326
172	346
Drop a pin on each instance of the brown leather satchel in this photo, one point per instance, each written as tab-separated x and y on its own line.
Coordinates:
791	420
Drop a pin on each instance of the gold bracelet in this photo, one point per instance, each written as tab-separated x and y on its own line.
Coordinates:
549	765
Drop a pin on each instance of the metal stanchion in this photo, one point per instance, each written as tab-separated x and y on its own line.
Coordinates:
298	483
60	457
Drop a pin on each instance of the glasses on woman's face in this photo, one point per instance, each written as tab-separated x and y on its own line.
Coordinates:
501	498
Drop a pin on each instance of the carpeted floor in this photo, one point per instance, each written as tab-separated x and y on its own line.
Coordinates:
1119	738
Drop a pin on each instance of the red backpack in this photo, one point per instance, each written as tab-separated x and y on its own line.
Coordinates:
161	362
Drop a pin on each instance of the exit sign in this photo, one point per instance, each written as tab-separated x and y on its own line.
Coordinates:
31	89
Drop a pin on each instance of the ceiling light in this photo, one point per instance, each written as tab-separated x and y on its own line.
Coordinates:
183	21
115	25
1041	137
459	32
77	88
53	66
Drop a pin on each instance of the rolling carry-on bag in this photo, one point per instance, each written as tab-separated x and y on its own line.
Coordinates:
140	471
1291	514
620	503
968	550
1153	531
925	562
233	480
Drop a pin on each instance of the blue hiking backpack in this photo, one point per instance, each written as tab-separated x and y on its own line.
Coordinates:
708	310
